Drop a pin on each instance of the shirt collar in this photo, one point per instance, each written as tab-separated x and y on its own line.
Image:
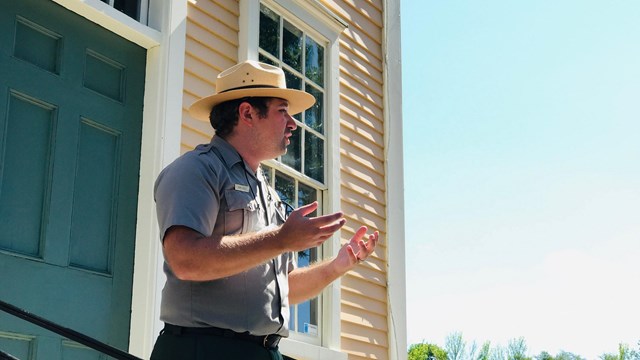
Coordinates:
229	154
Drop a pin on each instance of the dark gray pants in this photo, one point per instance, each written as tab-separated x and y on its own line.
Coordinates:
209	347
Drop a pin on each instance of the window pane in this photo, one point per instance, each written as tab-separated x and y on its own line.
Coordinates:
308	310
266	170
129	7
266	60
293	155
314	62
314	157
269	31
314	115
292	46
285	187
293	81
306	194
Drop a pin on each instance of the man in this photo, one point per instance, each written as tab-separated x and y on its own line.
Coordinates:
228	245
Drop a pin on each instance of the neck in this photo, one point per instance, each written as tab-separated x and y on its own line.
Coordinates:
245	152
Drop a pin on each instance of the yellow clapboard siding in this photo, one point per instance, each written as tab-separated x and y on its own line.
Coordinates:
360	58
363	317
365	113
188	98
362	155
206	54
224	12
200	69
358	20
358	88
191	138
362	100
227	31
349	184
368	9
363	43
232	6
364	334
359	153
364	140
211	39
351	125
362	75
358	350
358	301
364	202
367	272
203	128
197	85
211	46
350	166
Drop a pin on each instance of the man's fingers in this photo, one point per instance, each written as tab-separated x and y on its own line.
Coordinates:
373	241
326	219
359	234
365	248
307	209
330	229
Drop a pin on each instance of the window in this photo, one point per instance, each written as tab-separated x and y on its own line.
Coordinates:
304	318
302	58
299	175
130	7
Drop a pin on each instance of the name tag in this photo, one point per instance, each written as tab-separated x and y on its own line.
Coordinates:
243	188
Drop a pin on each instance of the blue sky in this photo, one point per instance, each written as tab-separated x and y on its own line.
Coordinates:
522	172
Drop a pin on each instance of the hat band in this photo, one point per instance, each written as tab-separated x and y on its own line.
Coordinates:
250	87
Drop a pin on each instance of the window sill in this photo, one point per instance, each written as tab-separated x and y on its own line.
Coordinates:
303	351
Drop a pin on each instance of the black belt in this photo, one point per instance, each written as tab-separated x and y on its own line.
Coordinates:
267	341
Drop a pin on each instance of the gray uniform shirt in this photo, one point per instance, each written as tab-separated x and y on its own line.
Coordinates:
211	190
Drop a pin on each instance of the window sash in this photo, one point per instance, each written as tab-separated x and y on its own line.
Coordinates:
136	9
284	44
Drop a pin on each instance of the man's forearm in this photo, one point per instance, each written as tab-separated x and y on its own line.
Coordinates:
194	257
306	283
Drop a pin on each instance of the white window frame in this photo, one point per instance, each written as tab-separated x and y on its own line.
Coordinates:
322	24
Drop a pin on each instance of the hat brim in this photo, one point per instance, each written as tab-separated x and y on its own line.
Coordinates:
299	100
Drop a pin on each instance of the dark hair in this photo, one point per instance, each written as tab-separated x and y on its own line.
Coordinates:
224	116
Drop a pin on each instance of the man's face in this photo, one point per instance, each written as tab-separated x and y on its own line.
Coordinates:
274	130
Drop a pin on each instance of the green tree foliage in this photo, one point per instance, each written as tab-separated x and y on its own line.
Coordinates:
455	346
562	355
456	349
517	349
485	351
498	353
426	351
544	356
624	353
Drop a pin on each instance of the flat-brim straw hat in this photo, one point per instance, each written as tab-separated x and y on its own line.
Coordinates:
251	79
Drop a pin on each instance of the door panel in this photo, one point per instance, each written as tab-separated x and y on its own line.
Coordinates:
70	127
25	174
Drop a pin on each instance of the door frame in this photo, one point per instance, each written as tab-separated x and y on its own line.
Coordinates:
164	39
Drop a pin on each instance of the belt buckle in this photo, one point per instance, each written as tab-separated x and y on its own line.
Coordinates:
267	345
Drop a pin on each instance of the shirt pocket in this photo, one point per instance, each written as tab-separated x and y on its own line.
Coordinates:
242	214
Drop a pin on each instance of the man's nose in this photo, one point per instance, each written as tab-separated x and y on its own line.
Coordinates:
291	123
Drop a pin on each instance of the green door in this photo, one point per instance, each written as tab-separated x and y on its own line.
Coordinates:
71	97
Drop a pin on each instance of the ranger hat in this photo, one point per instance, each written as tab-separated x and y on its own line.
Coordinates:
251	79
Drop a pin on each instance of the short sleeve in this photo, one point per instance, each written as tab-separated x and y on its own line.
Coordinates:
186	193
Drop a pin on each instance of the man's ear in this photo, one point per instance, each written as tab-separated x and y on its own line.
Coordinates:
246	113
